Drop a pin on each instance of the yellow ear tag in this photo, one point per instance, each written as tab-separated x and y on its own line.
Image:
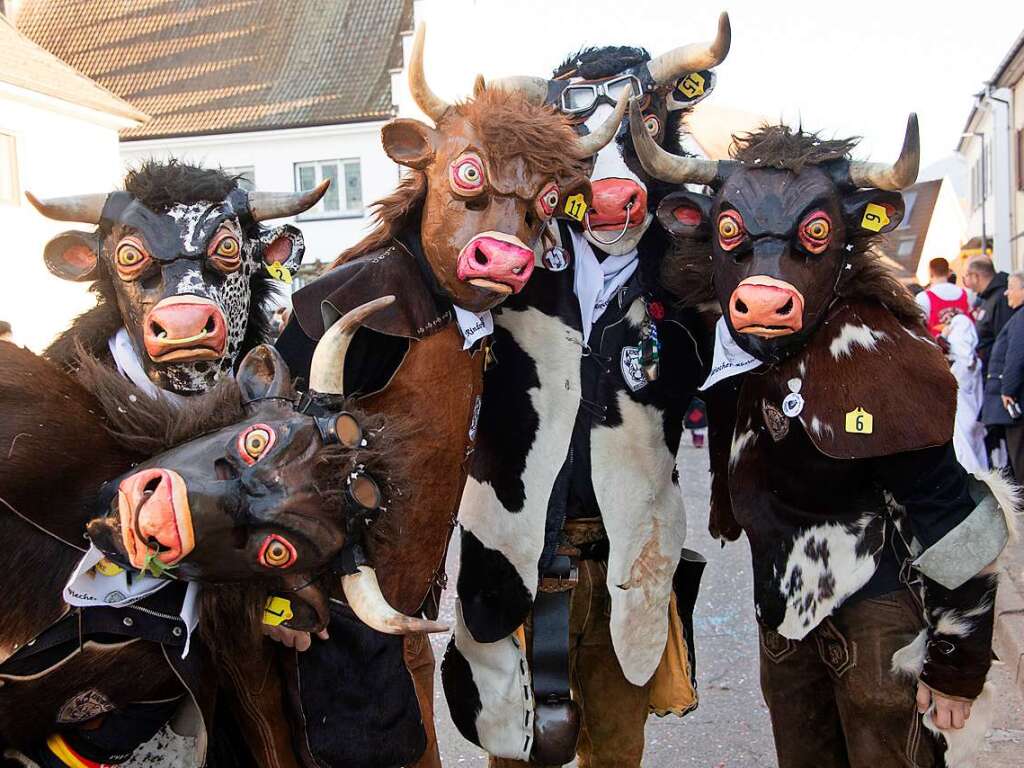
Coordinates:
277	611
860	422
106	568
875	217
281	272
576	207
692	85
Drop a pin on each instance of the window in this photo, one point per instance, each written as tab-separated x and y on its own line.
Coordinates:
344	197
246	176
909	198
906	247
10	189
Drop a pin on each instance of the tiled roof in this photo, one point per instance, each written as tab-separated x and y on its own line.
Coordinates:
26	65
223	66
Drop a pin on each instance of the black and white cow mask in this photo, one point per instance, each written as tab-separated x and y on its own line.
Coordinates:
587	86
183	270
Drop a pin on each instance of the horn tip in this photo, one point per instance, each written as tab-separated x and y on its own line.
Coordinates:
723	41
35	201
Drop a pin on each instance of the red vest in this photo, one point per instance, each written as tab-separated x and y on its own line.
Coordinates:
941	311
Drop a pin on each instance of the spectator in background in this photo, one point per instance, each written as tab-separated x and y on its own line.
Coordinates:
990	309
5	331
941	299
1004	383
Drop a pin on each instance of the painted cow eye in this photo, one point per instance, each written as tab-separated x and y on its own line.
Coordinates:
254	442
131	258
816	232
277	552
467	175
652	124
731	231
548	200
225	253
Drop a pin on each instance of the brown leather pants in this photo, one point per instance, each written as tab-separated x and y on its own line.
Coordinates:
833	698
613	710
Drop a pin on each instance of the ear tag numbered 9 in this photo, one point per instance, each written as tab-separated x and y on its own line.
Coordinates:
280	272
875	217
576	207
860	422
276	611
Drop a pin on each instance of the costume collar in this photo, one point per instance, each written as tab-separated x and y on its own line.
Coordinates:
730	359
473	325
128	365
596	283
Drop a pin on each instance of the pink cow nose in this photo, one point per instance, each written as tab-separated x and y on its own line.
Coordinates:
496	261
765	306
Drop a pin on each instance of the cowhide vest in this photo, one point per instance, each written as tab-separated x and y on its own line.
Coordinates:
801	473
532	396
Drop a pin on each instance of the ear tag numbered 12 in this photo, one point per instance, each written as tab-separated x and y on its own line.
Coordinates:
576	207
860	422
277	610
875	217
280	272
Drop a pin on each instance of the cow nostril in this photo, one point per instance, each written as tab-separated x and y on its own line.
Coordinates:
158	330
210	325
786	308
741	307
150	487
479	256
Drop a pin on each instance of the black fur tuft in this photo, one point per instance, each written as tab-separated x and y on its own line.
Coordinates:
779	146
593	63
161	185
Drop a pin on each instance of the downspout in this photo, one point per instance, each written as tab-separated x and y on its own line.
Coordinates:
1003	240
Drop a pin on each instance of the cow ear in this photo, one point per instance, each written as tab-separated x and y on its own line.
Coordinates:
873	211
574	199
686	215
283	249
73	255
264	374
409	142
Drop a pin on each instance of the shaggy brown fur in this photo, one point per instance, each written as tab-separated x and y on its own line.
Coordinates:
510	127
686	272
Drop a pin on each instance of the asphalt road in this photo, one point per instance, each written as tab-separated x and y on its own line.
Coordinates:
730	728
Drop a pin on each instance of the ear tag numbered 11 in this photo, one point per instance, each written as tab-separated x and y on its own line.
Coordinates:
280	272
276	611
875	217
860	422
576	206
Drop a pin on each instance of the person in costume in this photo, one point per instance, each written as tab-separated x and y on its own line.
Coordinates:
574	590
873	549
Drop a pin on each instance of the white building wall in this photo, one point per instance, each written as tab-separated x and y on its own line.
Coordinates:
946	231
61	150
273	155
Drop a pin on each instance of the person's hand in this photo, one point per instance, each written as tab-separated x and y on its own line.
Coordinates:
949	713
1008	401
293	638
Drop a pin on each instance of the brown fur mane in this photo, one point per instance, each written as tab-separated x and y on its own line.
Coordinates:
511	127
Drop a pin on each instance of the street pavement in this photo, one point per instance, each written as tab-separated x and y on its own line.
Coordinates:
730	728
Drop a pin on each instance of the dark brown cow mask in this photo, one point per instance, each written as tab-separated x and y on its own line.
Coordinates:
782	219
184	252
496	168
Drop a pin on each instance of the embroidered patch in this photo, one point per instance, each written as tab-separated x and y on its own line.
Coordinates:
84	706
633	369
775	420
555	259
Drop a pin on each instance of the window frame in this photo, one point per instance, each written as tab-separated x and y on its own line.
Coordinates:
317	213
15	190
242	170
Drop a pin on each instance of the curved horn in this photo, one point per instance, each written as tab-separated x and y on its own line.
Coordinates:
591	144
669	67
433	106
894	177
535	89
82	208
275	205
327	369
362	592
664	165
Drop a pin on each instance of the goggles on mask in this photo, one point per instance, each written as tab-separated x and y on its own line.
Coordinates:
578	98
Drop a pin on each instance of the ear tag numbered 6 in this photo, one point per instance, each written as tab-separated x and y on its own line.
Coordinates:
576	207
280	272
860	422
875	217
276	611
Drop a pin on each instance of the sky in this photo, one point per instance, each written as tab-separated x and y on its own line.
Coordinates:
842	68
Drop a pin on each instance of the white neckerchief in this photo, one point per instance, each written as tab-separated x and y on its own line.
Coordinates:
596	282
474	325
729	359
128	364
90	588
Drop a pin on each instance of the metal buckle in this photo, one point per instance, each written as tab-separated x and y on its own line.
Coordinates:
559	583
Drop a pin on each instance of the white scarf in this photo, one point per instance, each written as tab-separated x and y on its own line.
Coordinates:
729	359
474	325
128	365
597	282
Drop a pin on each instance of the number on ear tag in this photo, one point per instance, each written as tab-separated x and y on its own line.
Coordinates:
860	422
576	207
281	272
875	217
692	85
277	611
